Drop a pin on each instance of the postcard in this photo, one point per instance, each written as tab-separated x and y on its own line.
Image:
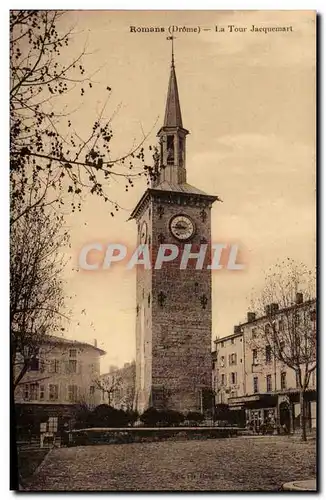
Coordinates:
163	250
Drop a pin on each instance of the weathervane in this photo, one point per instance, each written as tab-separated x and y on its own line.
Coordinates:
172	38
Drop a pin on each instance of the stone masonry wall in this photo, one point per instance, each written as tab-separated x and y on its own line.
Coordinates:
173	338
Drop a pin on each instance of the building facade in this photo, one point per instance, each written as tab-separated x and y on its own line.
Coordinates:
267	388
228	367
174	308
64	374
118	387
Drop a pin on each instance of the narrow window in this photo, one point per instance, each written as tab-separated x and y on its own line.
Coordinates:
254	356
313	379
72	366
268	354
33	392
170	150
233	359
72	393
181	152
26	392
42	392
53	392
53	424
283	380
54	366
34	365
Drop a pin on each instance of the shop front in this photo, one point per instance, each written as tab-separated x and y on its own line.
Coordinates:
260	410
280	411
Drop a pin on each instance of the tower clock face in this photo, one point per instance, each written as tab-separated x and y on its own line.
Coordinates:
143	233
182	227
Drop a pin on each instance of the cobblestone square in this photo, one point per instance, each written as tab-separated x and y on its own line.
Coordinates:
235	464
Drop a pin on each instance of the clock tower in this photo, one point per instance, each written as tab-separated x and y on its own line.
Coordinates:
174	306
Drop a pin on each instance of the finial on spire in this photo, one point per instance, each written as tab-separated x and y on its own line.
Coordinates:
172	58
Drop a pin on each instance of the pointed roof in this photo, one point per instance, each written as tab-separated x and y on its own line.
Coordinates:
172	110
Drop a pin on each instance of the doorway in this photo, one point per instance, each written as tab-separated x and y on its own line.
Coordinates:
285	416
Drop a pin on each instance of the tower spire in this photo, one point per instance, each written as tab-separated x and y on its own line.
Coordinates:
172	136
172	116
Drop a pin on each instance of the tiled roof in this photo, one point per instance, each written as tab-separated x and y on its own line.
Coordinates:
54	339
179	188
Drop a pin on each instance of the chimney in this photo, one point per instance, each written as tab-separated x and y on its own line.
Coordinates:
274	307
251	316
237	329
299	298
267	309
95	342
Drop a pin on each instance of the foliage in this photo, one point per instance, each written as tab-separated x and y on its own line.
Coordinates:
289	325
172	417
103	416
195	417
108	386
27	422
287	328
48	159
153	417
132	416
82	416
50	164
150	417
222	412
36	288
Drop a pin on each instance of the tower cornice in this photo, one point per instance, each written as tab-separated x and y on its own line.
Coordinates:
172	130
189	195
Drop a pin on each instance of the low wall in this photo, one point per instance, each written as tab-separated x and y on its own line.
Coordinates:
121	435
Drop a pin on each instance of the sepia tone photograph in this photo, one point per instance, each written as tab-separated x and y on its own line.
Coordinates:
163	299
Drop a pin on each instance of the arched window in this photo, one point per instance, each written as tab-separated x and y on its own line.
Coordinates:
170	150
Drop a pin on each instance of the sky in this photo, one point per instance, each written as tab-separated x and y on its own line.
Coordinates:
248	100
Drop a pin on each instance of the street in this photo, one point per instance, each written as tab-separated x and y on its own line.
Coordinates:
243	463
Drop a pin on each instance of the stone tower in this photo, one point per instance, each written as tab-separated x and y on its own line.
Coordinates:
174	310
